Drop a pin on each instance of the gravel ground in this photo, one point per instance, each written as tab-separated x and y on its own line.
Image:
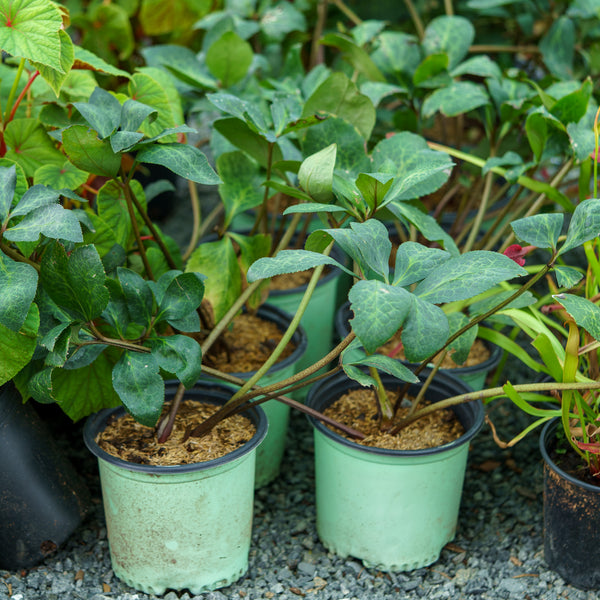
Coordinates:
497	553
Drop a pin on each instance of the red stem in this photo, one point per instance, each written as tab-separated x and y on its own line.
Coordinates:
21	96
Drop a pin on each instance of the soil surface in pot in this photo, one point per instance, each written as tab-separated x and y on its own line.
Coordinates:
358	409
478	354
130	441
248	344
568	460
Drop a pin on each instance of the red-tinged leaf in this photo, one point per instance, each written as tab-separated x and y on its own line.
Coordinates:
517	252
594	447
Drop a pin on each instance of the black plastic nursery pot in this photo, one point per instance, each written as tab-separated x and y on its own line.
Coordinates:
474	375
571	509
393	509
179	527
42	498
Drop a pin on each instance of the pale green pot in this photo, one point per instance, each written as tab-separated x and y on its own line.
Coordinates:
394	510
270	452
182	527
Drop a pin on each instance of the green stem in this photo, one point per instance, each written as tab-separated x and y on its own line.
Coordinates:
416	19
15	255
136	229
347	11
425	386
490	312
148	222
491	393
385	406
195	202
13	91
287	336
483	205
239	303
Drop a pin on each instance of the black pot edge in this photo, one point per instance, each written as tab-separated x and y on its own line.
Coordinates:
548	431
486	365
220	394
470	414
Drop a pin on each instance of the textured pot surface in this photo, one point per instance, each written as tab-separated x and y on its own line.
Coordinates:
42	499
393	509
571	532
183	527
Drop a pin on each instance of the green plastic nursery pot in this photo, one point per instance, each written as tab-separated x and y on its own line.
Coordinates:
474	376
395	510
270	452
571	509
179	527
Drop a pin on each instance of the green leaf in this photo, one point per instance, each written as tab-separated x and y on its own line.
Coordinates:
241	179
567	277
102	112
458	98
541	231
558	47
367	243
17	347
584	225
374	188
397	54
75	282
140	387
229	58
137	296
52	220
90	154
339	97
355	55
379	311
289	261
31	30
386	364
572	107
418	171
8	181
459	349
178	354
425	330
316	174
247	112
450	34
30	146
186	161
415	261
280	19
243	137
18	282
351	157
538	126
480	66
55	77
584	311
155	94
425	223
83	391
134	113
467	275
376	91
65	176
431	68
180	301
35	197
84	59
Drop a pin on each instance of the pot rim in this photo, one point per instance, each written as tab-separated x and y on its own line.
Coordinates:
548	431
473	409
217	393
341	323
